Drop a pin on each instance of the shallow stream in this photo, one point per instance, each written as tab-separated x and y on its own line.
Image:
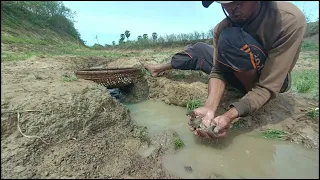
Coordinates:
240	155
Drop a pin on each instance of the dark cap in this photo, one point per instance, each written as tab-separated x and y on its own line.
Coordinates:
206	4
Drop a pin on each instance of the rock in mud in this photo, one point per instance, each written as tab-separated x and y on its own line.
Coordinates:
188	168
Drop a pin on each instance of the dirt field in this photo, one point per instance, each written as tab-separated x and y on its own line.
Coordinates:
82	132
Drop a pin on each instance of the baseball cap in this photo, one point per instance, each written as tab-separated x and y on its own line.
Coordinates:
206	4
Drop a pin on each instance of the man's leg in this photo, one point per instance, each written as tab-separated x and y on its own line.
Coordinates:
196	57
242	58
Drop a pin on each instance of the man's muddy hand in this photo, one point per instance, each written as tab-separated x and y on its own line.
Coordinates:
206	116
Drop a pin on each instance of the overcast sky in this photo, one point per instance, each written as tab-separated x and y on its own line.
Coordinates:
108	19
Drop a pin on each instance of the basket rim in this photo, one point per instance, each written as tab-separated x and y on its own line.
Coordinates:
107	69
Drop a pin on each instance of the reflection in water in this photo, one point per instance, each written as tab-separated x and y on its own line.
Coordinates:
237	156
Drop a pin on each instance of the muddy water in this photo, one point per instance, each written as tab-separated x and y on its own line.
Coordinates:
238	156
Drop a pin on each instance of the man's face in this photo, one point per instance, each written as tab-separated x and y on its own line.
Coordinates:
240	11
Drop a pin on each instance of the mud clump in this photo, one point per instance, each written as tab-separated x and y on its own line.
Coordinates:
88	134
136	92
176	93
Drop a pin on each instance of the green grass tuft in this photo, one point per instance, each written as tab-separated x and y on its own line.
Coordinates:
314	114
69	78
273	134
179	76
193	104
238	124
308	45
178	143
306	81
142	69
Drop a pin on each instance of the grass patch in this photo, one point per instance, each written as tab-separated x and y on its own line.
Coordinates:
179	76
308	45
142	69
238	124
16	56
273	134
306	82
314	113
178	143
69	78
193	104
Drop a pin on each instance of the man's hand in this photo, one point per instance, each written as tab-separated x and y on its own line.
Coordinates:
222	122
203	113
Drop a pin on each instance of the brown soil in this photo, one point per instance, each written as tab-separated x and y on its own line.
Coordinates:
85	133
88	134
287	112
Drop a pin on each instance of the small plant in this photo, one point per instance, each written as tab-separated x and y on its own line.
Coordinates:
193	104
142	69
314	113
179	76
238	124
69	78
273	134
178	143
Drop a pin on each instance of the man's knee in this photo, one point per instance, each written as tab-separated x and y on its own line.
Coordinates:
231	34
239	50
200	45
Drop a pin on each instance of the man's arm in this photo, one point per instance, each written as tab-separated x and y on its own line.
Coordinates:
216	85
277	66
216	89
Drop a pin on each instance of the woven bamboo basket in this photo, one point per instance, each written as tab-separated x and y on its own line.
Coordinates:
110	78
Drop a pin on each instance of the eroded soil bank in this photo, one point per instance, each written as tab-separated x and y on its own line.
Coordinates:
74	128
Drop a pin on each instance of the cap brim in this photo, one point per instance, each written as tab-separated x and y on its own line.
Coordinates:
223	2
206	4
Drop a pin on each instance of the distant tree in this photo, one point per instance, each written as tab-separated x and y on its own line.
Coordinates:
139	38
113	43
97	39
127	33
145	36
203	35
154	36
121	41
122	37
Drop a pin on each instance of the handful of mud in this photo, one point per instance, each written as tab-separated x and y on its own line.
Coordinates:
196	123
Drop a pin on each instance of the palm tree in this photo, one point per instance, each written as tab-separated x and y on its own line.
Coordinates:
127	33
145	36
122	37
154	36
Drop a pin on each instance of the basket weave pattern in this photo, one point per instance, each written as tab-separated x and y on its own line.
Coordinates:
110	78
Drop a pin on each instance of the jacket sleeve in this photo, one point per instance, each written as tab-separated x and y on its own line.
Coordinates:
280	59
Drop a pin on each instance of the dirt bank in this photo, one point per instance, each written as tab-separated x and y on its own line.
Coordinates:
81	131
287	112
